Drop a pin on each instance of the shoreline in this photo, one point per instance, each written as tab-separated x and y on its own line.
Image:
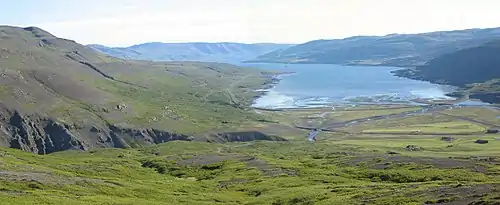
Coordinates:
273	80
418	102
314	102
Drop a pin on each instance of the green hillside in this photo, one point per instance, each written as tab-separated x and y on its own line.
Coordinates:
355	171
52	87
476	70
393	50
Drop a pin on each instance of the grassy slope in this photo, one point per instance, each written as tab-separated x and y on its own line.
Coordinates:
187	97
451	127
252	173
41	73
338	169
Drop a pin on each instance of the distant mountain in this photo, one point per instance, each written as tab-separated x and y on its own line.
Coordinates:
472	65
476	69
393	49
211	52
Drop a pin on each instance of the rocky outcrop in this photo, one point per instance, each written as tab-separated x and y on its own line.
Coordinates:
481	141
147	136
245	136
39	135
448	139
413	148
43	135
492	131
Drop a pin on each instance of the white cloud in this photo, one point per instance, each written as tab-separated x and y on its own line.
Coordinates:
272	20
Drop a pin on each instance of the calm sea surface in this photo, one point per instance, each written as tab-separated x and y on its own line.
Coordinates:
314	85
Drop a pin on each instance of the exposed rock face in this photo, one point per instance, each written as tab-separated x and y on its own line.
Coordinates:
149	136
246	136
42	135
39	135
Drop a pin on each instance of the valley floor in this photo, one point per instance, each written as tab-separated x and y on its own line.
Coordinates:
363	155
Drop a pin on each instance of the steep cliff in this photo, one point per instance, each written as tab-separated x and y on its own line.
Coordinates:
44	135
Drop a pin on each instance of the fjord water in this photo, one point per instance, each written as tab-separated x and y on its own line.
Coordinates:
314	85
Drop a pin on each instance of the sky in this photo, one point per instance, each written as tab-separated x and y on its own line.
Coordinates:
128	22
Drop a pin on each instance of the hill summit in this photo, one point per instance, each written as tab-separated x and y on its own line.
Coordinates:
56	94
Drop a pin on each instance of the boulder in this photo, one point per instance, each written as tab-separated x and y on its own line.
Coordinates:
492	131
121	106
447	139
104	109
413	148
481	141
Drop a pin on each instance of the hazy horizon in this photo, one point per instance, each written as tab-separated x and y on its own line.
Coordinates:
184	42
126	22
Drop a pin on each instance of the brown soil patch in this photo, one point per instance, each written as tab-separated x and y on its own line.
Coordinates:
384	161
458	194
43	178
211	159
270	170
252	162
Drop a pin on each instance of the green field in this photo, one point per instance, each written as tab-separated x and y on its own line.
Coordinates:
489	116
324	116
337	169
342	172
455	127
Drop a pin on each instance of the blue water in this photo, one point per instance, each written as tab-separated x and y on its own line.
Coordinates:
473	103
314	85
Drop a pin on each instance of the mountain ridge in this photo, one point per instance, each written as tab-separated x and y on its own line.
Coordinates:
393	50
191	51
475	70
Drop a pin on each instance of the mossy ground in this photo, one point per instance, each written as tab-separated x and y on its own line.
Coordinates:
456	127
337	169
